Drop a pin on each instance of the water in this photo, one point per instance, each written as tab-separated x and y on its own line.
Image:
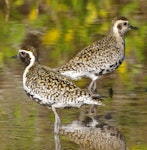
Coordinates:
59	31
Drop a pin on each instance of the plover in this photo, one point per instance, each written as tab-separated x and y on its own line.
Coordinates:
101	57
50	88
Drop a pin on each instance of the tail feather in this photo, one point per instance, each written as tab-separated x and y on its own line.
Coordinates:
94	101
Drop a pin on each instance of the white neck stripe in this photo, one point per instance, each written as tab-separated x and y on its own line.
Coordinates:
32	60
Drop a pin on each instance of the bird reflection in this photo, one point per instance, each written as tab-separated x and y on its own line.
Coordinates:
90	133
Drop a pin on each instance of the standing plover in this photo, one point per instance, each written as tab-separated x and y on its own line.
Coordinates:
101	57
50	88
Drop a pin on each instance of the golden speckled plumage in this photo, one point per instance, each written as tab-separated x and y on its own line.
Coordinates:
94	56
101	57
53	86
50	88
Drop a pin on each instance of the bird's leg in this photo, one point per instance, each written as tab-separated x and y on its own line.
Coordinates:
57	142
94	88
95	92
57	121
90	87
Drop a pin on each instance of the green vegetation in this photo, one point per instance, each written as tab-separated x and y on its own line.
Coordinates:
61	29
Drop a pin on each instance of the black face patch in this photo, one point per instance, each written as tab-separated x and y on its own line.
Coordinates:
119	27
24	58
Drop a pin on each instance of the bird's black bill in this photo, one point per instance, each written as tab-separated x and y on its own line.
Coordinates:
14	56
133	28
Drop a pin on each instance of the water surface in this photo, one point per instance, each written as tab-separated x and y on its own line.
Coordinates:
59	30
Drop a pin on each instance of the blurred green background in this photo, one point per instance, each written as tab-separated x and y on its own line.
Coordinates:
59	29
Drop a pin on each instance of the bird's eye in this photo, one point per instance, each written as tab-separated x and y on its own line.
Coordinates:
22	53
125	23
